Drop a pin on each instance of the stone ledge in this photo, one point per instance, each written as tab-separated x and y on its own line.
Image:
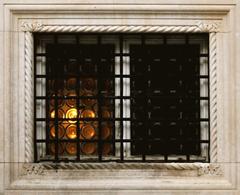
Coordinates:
38	169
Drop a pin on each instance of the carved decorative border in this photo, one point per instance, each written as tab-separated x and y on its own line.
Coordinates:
29	97
213	95
211	27
198	27
30	169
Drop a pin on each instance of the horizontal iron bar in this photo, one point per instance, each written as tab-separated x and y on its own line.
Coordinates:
119	97
122	119
108	159
172	140
112	76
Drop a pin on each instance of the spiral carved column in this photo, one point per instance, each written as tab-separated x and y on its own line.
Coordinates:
213	96
29	97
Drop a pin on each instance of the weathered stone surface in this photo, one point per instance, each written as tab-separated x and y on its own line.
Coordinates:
19	176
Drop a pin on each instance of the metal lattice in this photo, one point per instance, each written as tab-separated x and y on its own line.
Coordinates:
125	100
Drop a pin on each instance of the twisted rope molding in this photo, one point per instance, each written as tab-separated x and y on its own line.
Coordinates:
213	97
198	27
29	28
29	97
43	169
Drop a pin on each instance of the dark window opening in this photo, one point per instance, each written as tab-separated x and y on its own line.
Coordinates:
165	105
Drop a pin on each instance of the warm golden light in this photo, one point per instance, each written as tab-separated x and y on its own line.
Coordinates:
88	148
60	131
88	114
88	131
71	148
71	131
72	114
79	108
60	114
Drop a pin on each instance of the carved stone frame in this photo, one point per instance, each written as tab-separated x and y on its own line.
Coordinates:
27	175
29	28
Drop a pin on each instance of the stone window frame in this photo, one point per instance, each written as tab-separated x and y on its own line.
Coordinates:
30	28
215	172
26	27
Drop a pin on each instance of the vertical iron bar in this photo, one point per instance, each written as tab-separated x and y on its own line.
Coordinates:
56	111
48	100
35	109
99	82
121	95
132	98
78	99
145	95
114	100
209	116
165	141
186	43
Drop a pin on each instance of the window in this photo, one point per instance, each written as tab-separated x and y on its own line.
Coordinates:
121	97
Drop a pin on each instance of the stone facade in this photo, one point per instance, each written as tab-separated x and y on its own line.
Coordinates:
20	18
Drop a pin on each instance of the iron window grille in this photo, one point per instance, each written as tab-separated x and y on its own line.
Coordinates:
121	97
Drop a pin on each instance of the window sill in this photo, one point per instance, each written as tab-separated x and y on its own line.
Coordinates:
115	176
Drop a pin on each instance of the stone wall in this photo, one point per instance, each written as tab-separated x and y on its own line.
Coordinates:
20	18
